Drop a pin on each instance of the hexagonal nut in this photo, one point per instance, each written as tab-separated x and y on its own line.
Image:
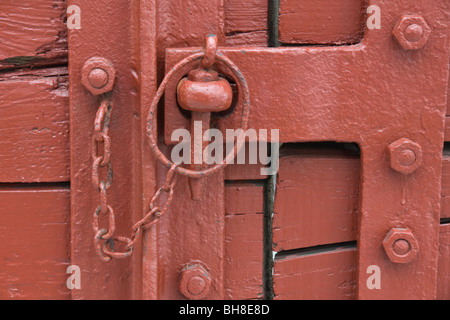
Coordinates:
412	32
401	245
195	282
98	75
405	156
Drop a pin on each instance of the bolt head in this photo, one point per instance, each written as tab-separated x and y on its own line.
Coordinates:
412	32
97	75
195	282
405	156
401	245
98	78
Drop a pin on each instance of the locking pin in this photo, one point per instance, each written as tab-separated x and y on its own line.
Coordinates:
203	92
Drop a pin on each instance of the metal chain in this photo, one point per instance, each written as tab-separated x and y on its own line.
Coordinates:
105	239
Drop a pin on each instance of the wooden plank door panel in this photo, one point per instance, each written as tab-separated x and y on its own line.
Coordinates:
246	22
33	33
327	275
34	157
316	201
315	222
34	122
35	233
244	245
327	22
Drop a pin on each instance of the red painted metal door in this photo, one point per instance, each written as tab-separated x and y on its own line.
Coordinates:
357	210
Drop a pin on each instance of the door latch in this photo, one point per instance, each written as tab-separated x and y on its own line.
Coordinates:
202	92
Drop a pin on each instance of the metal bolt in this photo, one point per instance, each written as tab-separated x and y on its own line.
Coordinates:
412	32
97	75
98	78
405	156
196	285
401	245
195	282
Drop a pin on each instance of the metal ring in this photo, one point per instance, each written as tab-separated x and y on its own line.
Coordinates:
118	255
151	120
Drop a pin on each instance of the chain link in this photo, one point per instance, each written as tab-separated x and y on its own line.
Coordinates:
105	240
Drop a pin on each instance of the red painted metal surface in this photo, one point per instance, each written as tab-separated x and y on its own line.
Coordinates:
370	94
119	279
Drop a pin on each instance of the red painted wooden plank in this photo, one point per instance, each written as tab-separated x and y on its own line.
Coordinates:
321	276
252	38
32	31
243	241
443	285
246	23
245	16
243	256
244	198
246	170
35	237
321	22
184	23
316	199
34	126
